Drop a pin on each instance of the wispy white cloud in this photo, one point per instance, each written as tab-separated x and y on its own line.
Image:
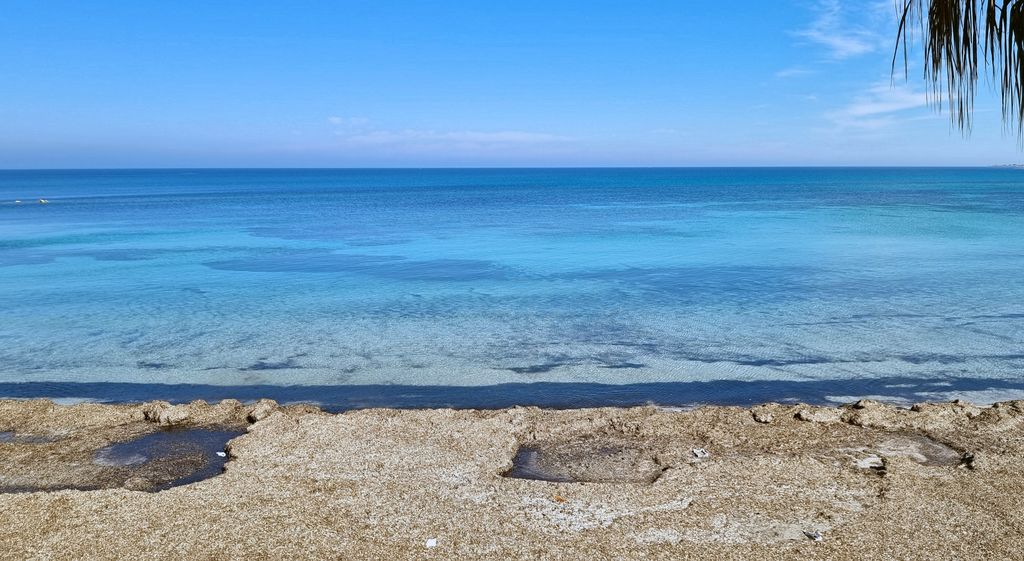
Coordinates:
793	72
841	35
880	106
883	99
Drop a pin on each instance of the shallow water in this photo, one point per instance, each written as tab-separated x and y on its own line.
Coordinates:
847	281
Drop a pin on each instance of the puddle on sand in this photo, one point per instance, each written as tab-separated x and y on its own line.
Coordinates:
589	461
915	447
920	449
152	462
170	458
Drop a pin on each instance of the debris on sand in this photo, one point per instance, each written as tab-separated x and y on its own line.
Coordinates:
762	416
872	461
814	535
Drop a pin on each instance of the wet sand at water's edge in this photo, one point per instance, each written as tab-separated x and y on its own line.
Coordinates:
259	481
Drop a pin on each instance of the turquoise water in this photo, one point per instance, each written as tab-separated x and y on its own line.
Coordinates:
886	278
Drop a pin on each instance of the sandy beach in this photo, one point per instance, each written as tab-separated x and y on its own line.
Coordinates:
865	481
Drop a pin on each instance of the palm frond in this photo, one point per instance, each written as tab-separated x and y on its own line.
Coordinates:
955	35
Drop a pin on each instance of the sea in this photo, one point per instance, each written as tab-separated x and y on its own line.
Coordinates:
489	288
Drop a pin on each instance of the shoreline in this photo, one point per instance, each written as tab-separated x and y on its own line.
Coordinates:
896	390
871	480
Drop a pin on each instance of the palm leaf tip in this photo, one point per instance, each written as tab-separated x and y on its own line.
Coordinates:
955	36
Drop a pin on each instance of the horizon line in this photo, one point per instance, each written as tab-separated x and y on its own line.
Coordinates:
484	168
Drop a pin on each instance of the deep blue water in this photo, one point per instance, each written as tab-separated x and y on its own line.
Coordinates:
427	287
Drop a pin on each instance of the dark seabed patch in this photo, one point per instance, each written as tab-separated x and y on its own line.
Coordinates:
11	258
699	283
446	270
955	359
1000	316
618	365
264	364
122	254
351	236
302	262
560	362
787	362
380	266
536	368
141	253
31	256
153	365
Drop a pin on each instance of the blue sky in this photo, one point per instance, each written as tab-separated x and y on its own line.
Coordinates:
424	83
